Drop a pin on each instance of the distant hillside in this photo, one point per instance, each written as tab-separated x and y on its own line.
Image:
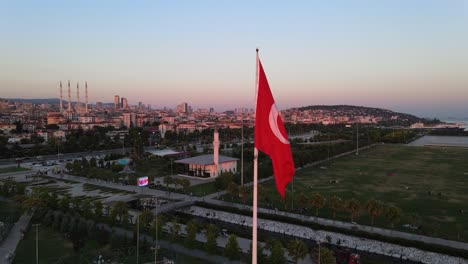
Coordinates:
37	101
43	101
385	116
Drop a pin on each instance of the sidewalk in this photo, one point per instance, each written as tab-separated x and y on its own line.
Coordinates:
8	246
354	243
349	226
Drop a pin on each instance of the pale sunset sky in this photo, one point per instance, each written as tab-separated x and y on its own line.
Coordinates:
408	56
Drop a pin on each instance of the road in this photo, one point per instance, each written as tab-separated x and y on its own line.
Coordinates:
65	155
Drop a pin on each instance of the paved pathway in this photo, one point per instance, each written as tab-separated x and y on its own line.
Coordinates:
349	226
8	246
333	238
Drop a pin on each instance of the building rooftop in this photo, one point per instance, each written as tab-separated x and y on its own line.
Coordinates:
164	152
205	160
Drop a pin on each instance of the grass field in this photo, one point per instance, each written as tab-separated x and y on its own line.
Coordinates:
399	175
54	248
12	169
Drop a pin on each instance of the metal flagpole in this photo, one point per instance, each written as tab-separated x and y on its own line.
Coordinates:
156	243
254	206
138	238
242	153
357	139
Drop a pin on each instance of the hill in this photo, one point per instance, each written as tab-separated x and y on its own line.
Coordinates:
350	113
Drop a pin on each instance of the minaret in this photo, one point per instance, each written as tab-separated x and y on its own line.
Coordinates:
86	97
61	106
77	93
216	150
69	97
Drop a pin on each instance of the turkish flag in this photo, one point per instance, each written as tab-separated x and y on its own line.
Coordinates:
270	135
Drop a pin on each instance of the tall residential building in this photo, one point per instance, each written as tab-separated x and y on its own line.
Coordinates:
116	102
182	108
129	119
124	104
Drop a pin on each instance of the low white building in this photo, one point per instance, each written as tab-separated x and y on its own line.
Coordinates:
209	165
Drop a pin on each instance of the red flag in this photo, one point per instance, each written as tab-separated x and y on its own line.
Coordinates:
270	135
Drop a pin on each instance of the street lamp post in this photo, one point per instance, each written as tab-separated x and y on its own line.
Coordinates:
171	167
156	230
357	139
138	237
37	243
318	243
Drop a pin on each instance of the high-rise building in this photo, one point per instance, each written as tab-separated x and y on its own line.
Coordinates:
116	102
124	104
182	108
129	119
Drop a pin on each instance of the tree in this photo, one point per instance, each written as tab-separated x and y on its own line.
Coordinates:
64	204
120	210
192	230
98	209
76	204
58	216
261	192
36	200
19	127
244	193
303	200
354	207
233	190
212	233
374	208
277	253
232	247
185	184
326	256
146	217
158	223
335	204
318	202
86	208
224	179
175	228
393	214
49	218
297	250
168	180
65	223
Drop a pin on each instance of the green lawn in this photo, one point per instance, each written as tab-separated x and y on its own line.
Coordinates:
52	247
203	189
399	175
13	169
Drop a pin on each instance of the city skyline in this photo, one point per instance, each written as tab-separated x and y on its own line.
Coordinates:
407	57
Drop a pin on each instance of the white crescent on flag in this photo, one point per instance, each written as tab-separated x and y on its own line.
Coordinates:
273	120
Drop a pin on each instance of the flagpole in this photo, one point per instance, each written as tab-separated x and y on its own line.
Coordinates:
254	206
